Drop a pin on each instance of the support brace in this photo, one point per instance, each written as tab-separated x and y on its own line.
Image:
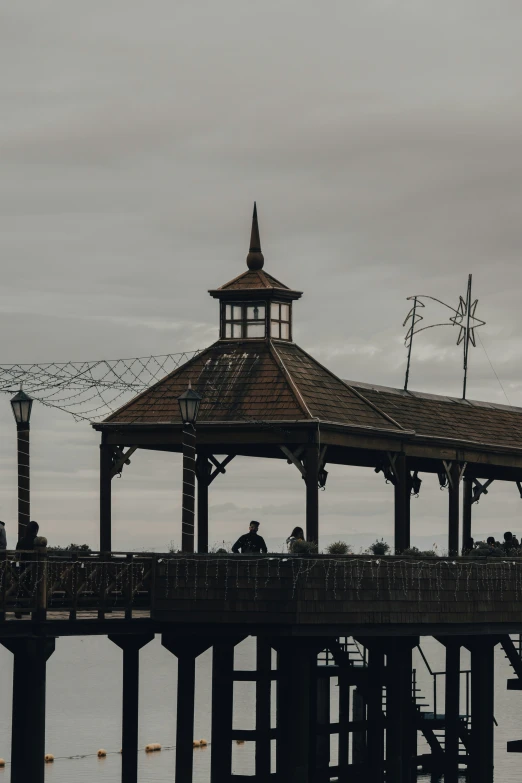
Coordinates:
220	466
121	458
480	489
450	476
295	458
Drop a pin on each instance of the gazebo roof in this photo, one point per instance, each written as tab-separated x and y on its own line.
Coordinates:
255	382
273	381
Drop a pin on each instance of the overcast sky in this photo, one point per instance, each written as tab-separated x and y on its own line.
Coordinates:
382	141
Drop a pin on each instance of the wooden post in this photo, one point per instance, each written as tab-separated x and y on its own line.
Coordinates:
131	646
203	468
482	705
375	731
222	710
105	495
186	650
295	721
359	754
467	502
312	493
402	504
453	510
322	721
263	712
28	718
452	711
400	713
189	486
344	724
24	493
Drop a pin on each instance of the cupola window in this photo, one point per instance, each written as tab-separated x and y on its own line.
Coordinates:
280	321
245	320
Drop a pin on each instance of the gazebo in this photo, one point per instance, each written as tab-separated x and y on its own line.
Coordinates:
264	396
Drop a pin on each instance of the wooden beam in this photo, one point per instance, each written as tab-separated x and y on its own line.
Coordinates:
121	458
312	493
467	503
203	470
294	459
402	503
220	466
454	472
105	496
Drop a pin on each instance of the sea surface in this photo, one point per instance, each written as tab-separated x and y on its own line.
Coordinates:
84	711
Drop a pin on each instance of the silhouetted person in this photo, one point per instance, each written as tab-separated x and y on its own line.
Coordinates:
468	546
297	534
3	537
250	542
26	542
510	542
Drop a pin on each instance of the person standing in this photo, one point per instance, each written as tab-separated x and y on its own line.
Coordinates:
251	542
3	537
297	534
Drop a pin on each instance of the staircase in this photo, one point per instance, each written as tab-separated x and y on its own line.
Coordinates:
512	646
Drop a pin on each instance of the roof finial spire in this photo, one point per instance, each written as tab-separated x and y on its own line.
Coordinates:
255	258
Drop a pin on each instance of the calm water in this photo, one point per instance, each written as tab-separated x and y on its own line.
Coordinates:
83	709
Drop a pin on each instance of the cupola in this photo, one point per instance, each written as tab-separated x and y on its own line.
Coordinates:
255	306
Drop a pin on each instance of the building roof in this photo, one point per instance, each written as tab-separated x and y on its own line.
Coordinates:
447	418
257	382
252	280
274	381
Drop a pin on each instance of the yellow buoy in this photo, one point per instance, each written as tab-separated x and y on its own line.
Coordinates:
49	758
102	753
240	742
203	743
157	746
2	762
196	743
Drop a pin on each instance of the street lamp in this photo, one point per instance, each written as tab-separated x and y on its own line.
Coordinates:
21	405
189	403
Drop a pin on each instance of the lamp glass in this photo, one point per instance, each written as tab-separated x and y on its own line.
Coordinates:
189	403
21	405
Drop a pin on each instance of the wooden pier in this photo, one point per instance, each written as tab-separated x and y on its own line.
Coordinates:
354	618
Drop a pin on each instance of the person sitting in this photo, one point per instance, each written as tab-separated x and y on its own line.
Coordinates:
251	542
297	534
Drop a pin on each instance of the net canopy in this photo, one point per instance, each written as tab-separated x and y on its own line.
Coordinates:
89	390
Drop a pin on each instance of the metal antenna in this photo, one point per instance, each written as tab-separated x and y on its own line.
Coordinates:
464	317
412	315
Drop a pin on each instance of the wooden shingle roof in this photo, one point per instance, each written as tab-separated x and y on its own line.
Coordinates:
276	381
448	418
253	381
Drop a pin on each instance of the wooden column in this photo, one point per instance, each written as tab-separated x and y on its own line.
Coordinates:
482	706
312	493
467	502
453	510
359	749
189	488
186	650
28	717
131	646
24	487
105	495
295	722
344	723
263	704
203	469
452	711
222	710
375	732
321	710
400	712
402	504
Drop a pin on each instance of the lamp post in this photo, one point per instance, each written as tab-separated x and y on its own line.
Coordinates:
189	403
21	405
